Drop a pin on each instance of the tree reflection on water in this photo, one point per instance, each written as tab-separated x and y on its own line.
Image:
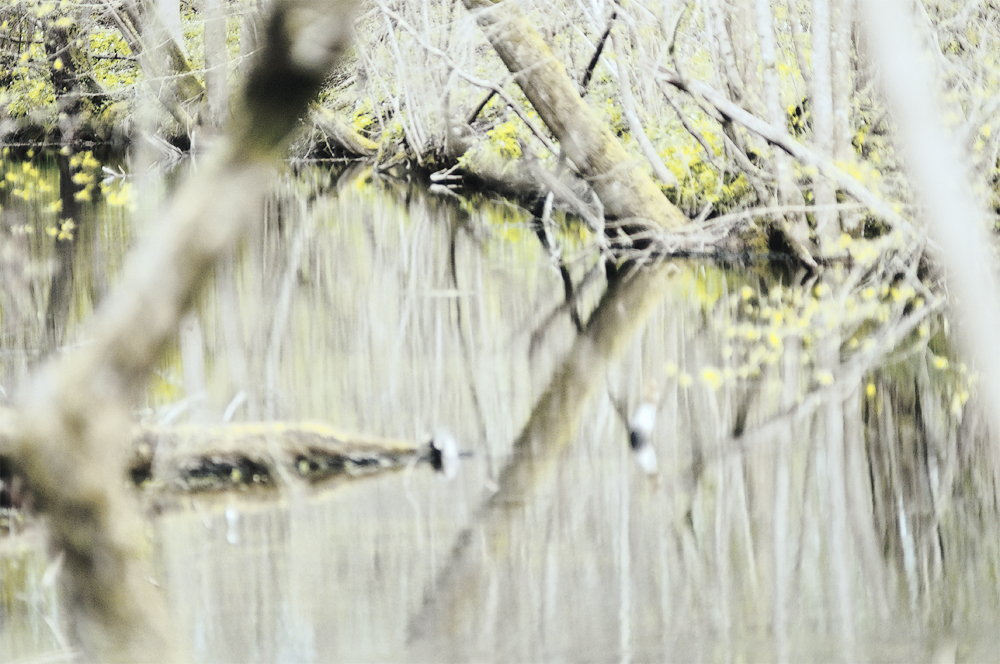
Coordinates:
824	487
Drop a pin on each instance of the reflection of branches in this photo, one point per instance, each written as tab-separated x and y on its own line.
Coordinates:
846	383
460	315
571	303
550	430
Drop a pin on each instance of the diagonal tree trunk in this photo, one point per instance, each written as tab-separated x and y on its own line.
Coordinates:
624	188
162	57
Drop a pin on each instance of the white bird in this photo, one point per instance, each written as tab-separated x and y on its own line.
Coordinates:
640	431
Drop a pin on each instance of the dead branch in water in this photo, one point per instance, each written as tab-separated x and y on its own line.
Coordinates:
268	455
245	456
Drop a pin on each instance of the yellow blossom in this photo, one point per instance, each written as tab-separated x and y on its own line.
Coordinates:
712	377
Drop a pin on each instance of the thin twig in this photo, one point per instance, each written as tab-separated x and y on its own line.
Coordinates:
597	53
781	139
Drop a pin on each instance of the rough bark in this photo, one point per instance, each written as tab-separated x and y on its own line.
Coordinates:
622	185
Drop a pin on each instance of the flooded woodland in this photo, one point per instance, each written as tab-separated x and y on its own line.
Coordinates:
820	487
444	331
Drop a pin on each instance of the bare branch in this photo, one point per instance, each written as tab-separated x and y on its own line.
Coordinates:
780	138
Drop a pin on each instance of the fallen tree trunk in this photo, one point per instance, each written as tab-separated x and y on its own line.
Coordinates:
624	188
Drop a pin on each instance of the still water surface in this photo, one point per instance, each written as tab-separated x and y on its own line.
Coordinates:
823	489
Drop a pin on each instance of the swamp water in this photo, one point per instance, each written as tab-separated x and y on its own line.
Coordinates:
824	491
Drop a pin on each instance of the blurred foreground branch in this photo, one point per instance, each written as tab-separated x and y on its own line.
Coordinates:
954	213
73	424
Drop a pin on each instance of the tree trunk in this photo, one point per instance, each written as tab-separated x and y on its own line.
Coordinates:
827	224
60	45
624	188
161	56
842	83
216	60
794	225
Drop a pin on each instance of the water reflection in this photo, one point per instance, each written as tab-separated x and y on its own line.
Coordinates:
823	493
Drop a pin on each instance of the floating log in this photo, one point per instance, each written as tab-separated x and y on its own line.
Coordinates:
192	458
258	455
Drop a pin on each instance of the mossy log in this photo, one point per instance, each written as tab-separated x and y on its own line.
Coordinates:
265	455
338	135
252	456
